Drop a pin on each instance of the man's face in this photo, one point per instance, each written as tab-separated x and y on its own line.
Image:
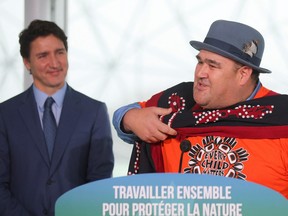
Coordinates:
47	63
216	81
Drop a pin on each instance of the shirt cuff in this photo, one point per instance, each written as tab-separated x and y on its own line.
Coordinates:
117	119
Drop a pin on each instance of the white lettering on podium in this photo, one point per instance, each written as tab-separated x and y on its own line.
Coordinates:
143	192
174	200
203	192
115	209
224	209
159	209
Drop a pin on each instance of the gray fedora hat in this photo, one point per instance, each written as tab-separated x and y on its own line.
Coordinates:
235	41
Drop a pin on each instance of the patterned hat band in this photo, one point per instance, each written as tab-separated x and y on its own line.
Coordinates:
232	50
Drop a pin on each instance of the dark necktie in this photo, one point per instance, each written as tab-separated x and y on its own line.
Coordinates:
49	125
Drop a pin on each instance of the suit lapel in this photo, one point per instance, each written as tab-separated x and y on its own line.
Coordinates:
30	115
68	120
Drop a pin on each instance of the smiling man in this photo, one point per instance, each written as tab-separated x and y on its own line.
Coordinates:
48	150
224	123
47	63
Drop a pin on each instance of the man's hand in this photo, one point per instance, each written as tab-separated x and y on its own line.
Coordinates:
145	123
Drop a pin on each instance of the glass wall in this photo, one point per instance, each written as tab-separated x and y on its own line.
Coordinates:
11	67
125	51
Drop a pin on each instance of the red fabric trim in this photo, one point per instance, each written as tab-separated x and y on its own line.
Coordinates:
156	154
249	132
153	101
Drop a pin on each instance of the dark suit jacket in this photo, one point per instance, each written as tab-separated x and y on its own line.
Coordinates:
29	182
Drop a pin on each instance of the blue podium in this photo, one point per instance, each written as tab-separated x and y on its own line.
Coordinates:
171	194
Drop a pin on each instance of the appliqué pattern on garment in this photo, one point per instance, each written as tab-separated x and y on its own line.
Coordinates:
177	104
137	160
242	111
217	157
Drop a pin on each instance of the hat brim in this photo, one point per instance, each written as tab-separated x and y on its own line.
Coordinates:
199	46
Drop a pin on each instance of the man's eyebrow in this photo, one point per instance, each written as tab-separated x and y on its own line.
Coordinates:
61	49
208	61
211	61
41	53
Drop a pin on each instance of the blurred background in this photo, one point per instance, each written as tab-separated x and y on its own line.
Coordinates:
125	51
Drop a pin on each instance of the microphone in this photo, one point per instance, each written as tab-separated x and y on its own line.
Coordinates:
185	146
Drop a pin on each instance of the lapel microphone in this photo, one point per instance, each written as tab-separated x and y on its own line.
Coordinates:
185	146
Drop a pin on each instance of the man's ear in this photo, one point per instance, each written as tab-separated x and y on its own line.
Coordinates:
245	74
27	63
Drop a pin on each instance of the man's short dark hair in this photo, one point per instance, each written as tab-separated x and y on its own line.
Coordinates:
39	28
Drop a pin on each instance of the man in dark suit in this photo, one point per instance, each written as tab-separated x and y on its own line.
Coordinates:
31	176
